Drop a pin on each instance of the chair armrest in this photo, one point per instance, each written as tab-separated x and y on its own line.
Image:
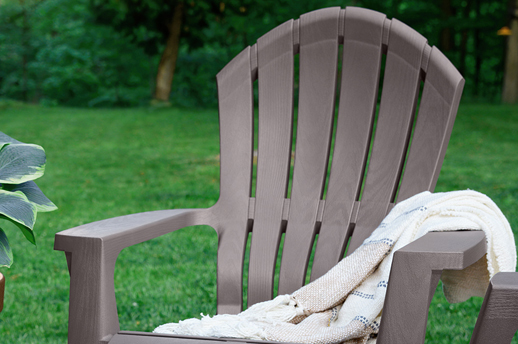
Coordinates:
128	230
498	318
91	251
415	273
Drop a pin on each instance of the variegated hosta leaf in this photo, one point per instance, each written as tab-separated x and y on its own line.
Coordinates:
34	194
6	255
21	162
15	207
28	233
7	139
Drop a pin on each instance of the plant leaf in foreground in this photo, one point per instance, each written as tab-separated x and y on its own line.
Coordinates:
15	206
34	195
21	162
6	255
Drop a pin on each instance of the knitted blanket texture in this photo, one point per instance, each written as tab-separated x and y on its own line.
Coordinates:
345	304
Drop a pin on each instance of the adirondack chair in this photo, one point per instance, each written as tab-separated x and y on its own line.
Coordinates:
377	159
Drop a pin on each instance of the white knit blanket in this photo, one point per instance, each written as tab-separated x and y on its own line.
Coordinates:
344	305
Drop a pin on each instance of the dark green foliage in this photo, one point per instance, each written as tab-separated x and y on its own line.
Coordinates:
465	31
195	80
145	22
53	53
106	53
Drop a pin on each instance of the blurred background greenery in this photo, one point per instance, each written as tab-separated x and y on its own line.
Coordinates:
102	53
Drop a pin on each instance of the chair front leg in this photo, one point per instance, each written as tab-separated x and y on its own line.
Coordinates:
416	270
498	318
93	314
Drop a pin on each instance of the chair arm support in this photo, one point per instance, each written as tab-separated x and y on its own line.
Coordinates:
415	273
498	318
91	252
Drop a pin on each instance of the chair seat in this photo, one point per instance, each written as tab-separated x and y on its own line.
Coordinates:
130	337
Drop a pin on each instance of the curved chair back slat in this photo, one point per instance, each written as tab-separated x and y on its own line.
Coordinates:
275	71
236	119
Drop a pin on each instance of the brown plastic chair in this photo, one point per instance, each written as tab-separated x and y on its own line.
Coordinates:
362	186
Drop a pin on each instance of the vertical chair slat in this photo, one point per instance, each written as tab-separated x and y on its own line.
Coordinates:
441	95
358	97
275	74
236	139
318	71
397	109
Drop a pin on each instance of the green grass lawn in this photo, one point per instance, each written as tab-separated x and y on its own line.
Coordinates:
105	163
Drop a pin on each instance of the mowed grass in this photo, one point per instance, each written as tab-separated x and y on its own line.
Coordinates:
106	163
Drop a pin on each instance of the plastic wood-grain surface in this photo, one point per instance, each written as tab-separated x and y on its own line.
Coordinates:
361	61
236	138
414	275
275	68
318	68
498	318
393	128
131	337
369	158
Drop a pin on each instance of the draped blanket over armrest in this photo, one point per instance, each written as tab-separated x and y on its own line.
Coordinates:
345	304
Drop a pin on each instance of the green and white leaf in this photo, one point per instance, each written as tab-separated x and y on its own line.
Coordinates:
21	162
4	139
15	207
34	195
6	255
28	233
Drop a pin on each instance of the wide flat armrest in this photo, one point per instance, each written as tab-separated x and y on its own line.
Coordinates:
498	318
415	273
128	230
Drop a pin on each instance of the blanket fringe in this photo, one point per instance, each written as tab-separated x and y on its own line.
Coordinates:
250	323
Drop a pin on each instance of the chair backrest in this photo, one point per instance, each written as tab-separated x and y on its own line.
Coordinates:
366	156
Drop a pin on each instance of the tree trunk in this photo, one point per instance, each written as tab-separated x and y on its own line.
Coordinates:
464	41
167	65
446	32
478	51
510	89
25	47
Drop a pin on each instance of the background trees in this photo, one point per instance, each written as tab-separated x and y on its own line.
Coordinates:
52	52
510	87
126	52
